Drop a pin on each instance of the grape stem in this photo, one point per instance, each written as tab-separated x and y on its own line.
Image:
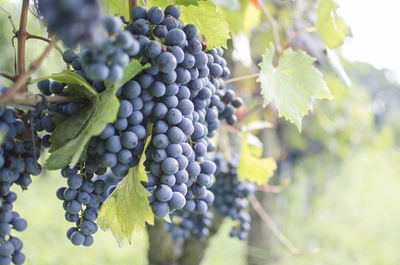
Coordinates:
21	80
32	36
9	18
274	24
30	99
239	78
10	77
22	36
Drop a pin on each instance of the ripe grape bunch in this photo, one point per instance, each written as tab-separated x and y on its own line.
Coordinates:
231	196
178	102
18	161
182	93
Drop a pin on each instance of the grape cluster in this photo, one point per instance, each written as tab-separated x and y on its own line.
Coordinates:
182	94
178	90
187	224
231	196
81	201
72	21
18	161
181	97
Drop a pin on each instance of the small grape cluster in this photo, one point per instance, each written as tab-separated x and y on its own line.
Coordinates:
72	21
18	161
187	224
82	191
231	196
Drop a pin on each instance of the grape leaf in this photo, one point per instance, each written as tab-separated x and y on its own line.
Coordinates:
118	7
127	209
210	20
103	109
292	84
251	166
329	25
71	136
186	2
165	3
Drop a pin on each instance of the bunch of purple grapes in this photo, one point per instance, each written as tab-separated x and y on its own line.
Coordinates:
18	161
181	97
231	196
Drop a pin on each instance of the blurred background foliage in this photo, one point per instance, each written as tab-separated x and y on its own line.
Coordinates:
340	176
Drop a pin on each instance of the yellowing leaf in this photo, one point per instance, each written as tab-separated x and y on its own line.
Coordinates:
292	84
128	209
251	166
329	25
252	17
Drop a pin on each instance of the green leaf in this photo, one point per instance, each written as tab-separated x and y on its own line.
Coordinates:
128	209
71	136
251	166
209	19
165	3
292	84
118	7
75	124
186	2
329	25
103	109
